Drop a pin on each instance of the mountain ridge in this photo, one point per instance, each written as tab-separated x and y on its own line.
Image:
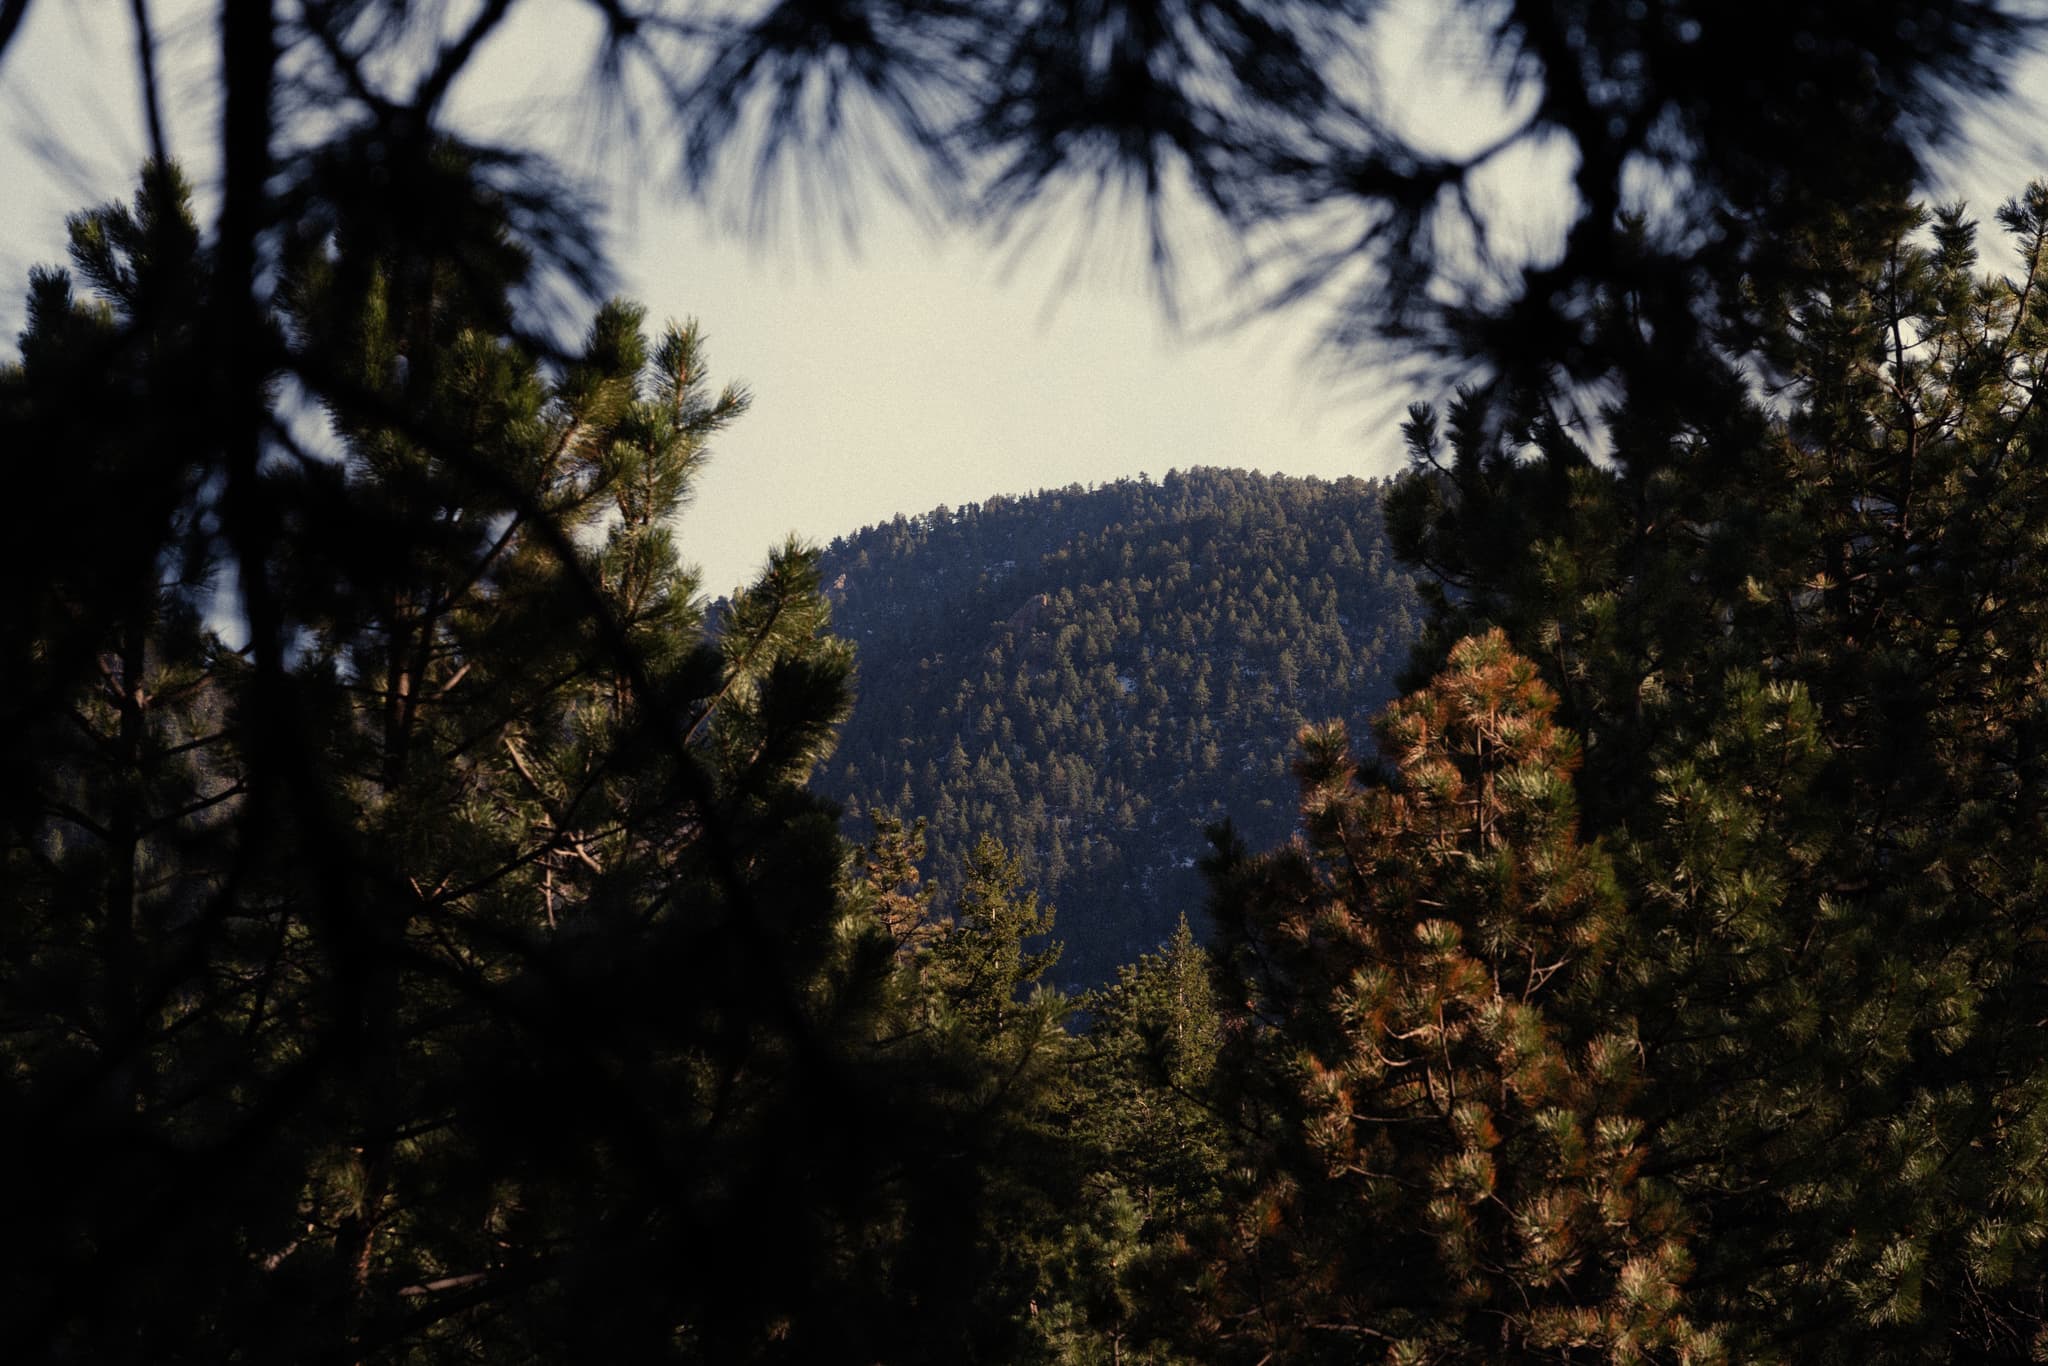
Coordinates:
1093	675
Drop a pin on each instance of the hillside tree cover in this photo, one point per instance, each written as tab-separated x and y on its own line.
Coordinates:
1095	676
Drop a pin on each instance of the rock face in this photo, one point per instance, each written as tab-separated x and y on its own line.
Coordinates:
1095	675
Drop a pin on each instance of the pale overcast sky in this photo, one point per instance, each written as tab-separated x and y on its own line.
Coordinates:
918	371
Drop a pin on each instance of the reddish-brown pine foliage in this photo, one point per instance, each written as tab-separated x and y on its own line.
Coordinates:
1452	1170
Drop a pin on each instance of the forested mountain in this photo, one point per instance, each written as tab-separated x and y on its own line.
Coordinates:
1093	676
456	960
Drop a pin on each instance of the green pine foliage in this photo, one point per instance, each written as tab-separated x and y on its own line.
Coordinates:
1159	1153
996	947
1801	626
127	990
1082	1162
475	981
1094	676
992	1194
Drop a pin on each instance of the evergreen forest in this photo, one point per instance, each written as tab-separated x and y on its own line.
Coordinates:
433	931
1094	677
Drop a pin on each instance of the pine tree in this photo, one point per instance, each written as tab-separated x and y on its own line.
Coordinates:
891	877
1804	638
1139	1109
127	983
986	959
999	1168
1450	1165
475	980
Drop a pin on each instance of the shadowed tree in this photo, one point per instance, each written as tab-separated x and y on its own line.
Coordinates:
513	1009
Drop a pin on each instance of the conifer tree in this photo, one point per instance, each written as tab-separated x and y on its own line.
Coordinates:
1804	637
1139	1106
891	878
997	1166
124	983
1449	1165
986	958
475	980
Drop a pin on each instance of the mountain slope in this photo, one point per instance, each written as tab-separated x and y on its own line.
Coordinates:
1094	675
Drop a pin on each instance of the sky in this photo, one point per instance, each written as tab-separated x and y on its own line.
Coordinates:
911	368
